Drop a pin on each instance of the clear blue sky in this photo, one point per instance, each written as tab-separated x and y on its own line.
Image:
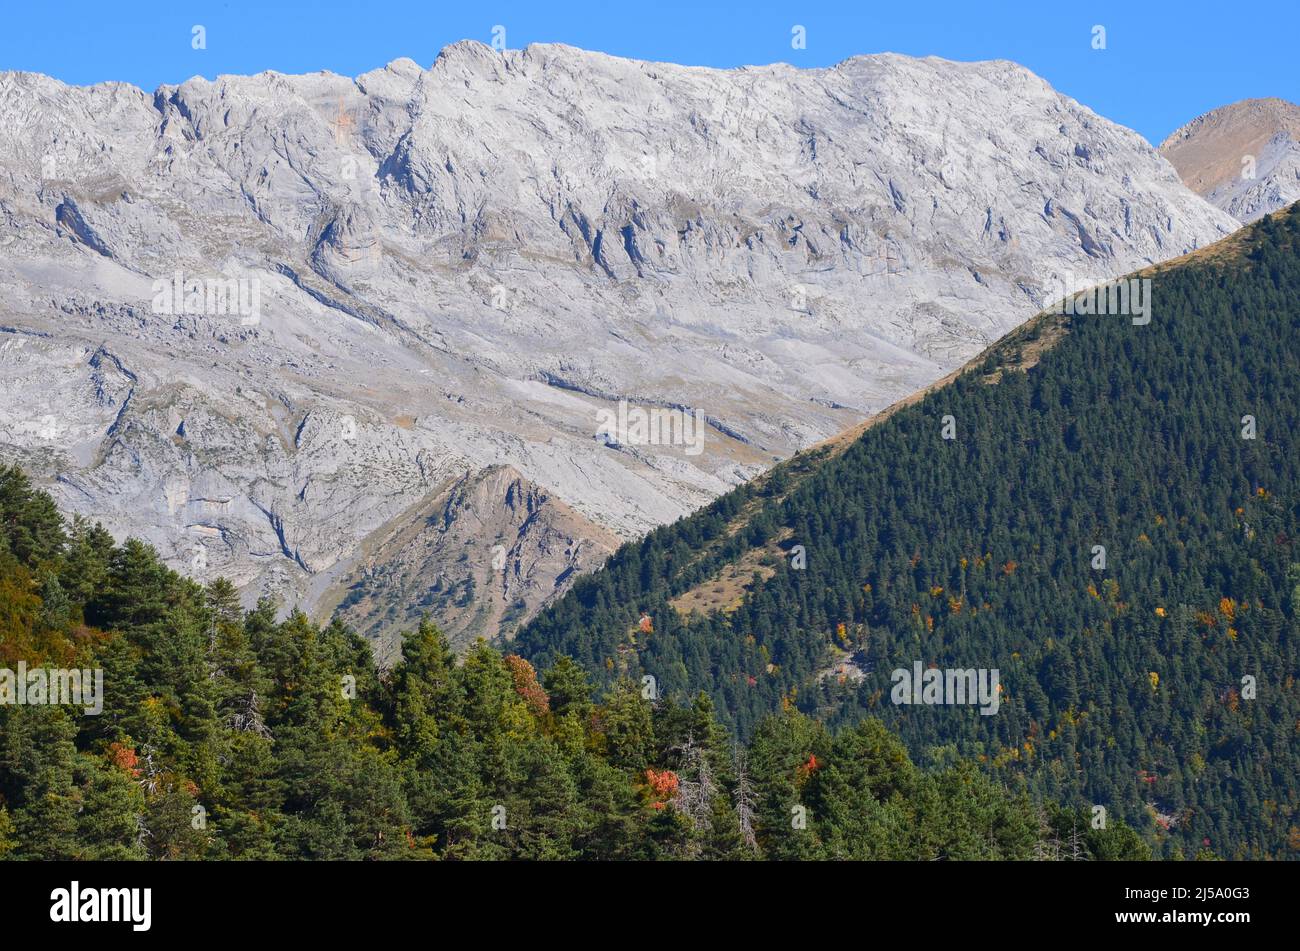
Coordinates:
1165	62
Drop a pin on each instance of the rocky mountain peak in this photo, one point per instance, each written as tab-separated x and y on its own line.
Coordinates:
1243	157
636	283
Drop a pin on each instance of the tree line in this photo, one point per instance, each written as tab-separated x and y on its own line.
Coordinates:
239	734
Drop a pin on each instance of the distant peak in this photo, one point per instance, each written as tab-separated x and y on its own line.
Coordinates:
464	49
404	66
1280	111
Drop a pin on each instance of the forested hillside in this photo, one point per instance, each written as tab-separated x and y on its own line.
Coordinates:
229	735
1113	527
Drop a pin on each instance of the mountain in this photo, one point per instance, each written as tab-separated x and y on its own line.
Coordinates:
1103	509
489	551
264	323
1243	157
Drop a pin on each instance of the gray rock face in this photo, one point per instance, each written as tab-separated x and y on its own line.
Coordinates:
482	555
260	320
1243	157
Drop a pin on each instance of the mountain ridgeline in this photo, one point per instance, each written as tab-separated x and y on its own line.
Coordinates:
1101	509
444	270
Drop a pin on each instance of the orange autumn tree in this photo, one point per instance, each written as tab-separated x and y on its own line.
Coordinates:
124	757
807	769
524	676
663	786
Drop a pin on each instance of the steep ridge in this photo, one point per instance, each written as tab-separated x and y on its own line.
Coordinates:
255	321
1112	528
481	555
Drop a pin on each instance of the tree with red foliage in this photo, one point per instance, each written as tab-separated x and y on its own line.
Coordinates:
663	786
124	758
524	677
810	767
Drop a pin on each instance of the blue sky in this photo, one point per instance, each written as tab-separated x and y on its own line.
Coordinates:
1164	62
